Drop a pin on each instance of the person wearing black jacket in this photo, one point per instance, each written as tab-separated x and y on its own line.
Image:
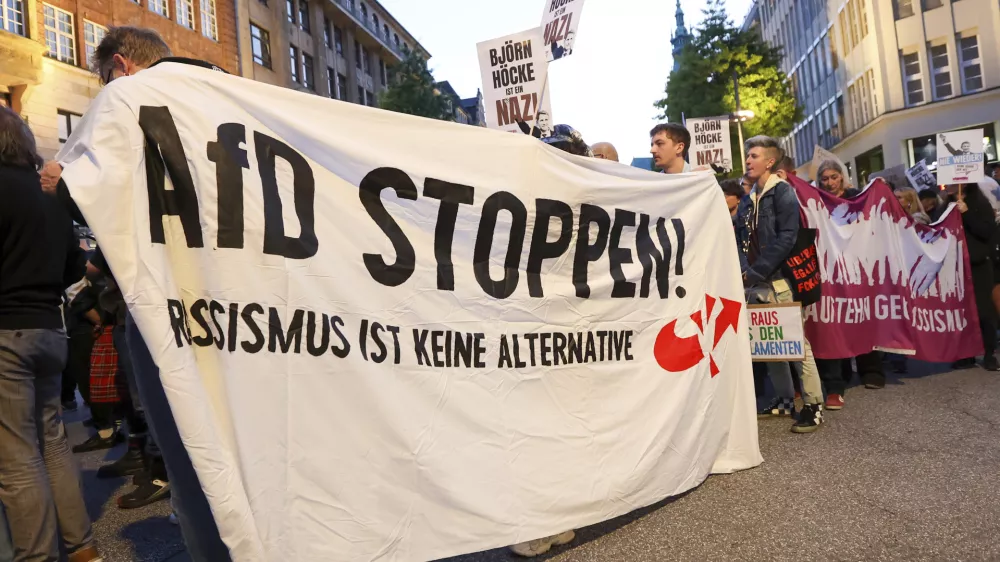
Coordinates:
767	225
980	236
125	51
39	258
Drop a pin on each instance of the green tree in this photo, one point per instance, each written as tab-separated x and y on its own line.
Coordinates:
702	86
412	90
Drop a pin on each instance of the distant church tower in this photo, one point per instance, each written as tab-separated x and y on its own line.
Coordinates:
681	36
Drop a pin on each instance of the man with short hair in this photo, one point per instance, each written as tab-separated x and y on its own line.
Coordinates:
125	51
767	226
669	143
605	151
786	168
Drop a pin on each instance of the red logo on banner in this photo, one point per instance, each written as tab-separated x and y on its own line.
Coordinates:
676	354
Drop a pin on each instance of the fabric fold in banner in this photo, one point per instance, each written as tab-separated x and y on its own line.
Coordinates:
470	342
888	282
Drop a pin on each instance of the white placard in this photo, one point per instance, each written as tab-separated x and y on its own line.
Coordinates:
560	21
515	84
777	332
960	157
710	148
921	177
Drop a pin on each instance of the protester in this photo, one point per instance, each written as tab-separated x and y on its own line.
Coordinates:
125	51
605	151
767	227
733	192
39	482
931	204
831	178
911	203
746	183
669	143
980	231
786	168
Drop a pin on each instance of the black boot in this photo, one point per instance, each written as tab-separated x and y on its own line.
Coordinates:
96	442
130	463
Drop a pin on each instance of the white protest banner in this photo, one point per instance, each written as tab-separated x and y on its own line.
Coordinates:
960	157
412	355
921	177
777	332
515	83
560	20
710	148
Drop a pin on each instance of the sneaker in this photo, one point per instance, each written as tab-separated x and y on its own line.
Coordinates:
990	363
779	407
538	547
69	406
131	462
834	402
146	493
96	442
810	418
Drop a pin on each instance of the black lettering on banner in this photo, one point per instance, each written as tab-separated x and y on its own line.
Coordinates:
651	258
284	338
324	341
233	317
382	351
451	196
304	197
541	248
176	311
501	200
230	161
420	347
345	346
258	343
679	230
617	255
198	310
165	155
585	251
371	198
480	347
214	308
504	361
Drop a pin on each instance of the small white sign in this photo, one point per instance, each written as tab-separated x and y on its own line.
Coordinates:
776	332
710	148
515	83
921	177
960	157
560	20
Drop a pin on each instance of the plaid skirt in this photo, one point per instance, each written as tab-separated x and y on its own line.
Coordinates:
107	382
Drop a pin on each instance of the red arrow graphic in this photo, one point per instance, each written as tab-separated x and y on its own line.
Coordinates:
728	318
676	354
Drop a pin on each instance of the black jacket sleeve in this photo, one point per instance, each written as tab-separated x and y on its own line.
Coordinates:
62	193
786	215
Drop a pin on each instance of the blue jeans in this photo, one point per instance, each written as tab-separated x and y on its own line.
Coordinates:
201	535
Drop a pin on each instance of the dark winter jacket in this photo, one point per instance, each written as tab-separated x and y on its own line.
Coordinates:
774	213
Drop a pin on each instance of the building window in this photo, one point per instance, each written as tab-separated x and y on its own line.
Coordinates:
852	8
940	71
67	122
382	72
357	55
185	13
385	32
308	77
395	37
863	12
874	92
338	40
366	61
341	87
914	86
12	16
931	4
290	8
158	7
327	34
361	95
904	8
92	35
331	82
364	13
972	69
59	34
375	21
260	44
863	91
293	59
209	24
304	16
370	97
844	32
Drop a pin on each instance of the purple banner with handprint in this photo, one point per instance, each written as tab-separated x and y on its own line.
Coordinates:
889	283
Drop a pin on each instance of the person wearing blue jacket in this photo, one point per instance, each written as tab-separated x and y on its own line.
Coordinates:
767	225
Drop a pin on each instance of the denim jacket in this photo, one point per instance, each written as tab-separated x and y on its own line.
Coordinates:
777	222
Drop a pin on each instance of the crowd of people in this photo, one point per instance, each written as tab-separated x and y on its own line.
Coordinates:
64	326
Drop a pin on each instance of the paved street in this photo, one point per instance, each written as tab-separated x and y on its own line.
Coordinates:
905	473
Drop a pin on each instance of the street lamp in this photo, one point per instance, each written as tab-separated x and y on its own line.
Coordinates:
740	116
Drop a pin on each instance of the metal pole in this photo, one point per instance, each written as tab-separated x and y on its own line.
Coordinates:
739	120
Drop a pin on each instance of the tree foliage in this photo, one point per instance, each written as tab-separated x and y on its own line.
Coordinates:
412	90
702	85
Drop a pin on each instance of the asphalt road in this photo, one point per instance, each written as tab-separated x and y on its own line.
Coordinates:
910	472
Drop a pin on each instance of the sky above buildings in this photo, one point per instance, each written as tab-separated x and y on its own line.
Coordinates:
606	89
